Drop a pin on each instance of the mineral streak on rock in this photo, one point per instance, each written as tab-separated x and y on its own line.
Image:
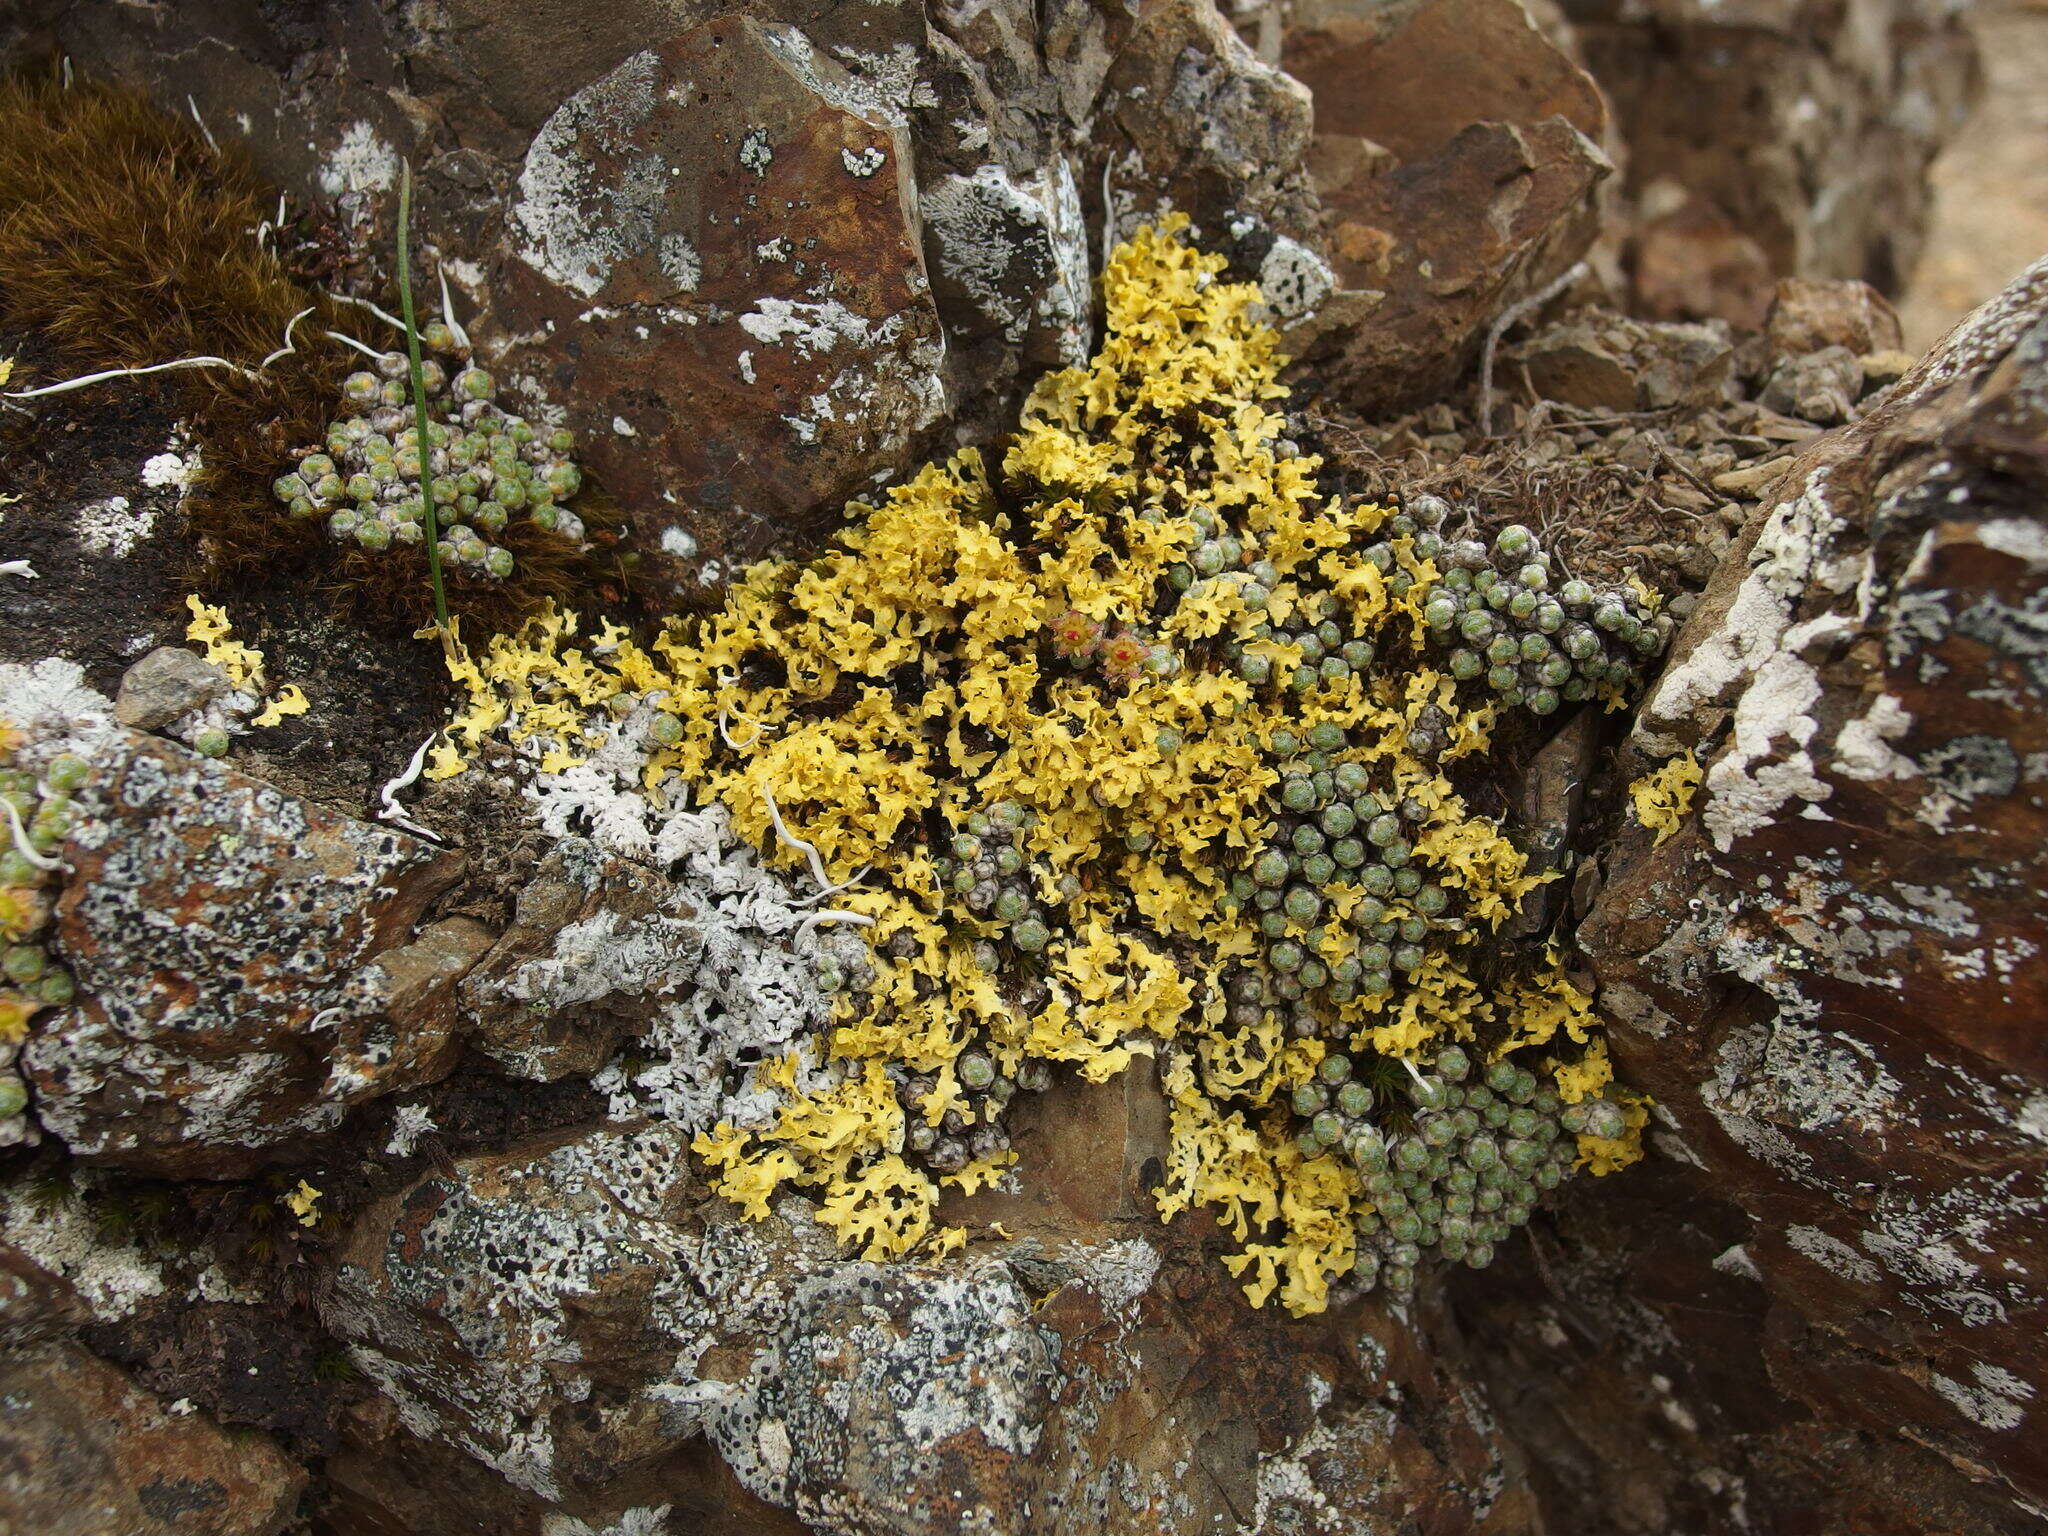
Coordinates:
221	930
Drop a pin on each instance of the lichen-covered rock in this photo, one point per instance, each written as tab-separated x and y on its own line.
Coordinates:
221	932
87	1453
1840	1023
1202	125
579	1317
545	1310
594	943
726	221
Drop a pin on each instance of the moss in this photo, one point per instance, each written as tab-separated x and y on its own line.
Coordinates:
1042	730
126	239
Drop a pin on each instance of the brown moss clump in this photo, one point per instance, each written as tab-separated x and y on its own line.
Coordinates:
126	239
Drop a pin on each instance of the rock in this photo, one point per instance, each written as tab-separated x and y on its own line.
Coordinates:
1693	262
533	1308
1752	478
1490	198
1808	316
35	1305
218	929
89	1453
1609	363
1410	78
594	943
1837	1024
754	340
170	681
576	1313
1765	141
411	1037
1820	387
1198	123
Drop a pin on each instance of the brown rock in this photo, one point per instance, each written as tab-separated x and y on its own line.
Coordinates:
411	1035
1694	263
756	338
87	1453
218	928
1496	213
1413	77
1752	478
1493	137
594	943
35	1305
1807	316
1839	1021
1606	362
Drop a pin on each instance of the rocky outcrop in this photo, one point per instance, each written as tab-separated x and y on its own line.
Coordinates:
575	1315
1840	1024
222	933
1776	139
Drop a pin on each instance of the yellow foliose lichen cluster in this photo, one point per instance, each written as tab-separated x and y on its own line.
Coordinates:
1663	798
1136	743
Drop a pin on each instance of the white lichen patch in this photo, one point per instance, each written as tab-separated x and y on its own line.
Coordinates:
171	469
1120	1273
1754	656
1994	1398
408	1124
111	527
1019	249
1863	747
53	707
573	228
63	1235
1294	279
1832	1254
361	162
863	162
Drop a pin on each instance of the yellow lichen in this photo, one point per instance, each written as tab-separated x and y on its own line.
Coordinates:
304	1203
210	628
920	670
290	700
1664	797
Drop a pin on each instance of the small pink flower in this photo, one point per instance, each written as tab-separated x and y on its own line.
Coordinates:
1122	657
1075	635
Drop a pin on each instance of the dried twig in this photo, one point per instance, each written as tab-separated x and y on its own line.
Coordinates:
1508	318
